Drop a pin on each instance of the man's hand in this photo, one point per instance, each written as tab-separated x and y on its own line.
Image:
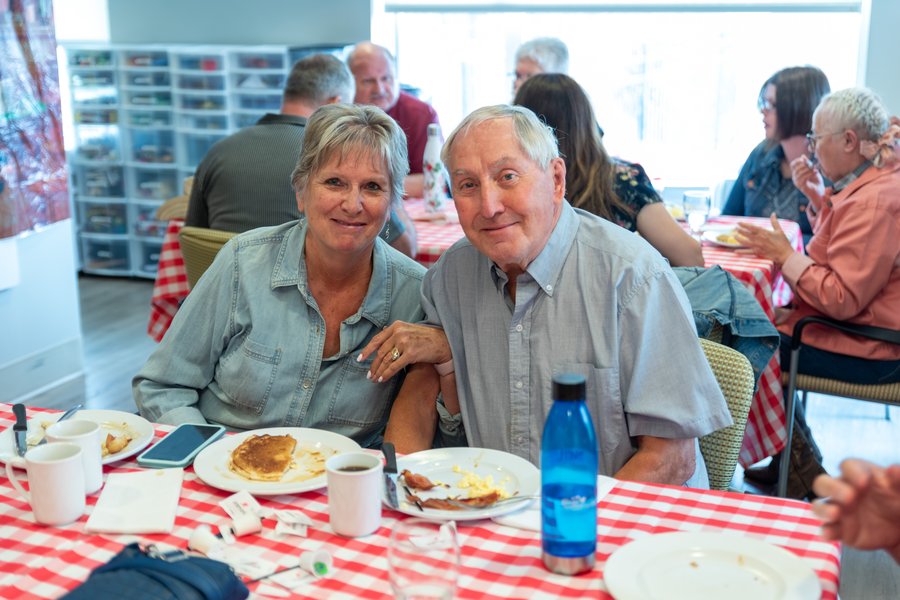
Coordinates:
861	508
401	344
661	460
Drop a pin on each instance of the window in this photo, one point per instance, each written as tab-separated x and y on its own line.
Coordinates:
673	90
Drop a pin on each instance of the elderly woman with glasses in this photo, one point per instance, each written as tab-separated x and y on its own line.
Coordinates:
787	101
271	334
852	270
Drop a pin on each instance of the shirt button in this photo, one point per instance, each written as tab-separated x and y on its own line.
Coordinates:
519	385
519	327
306	384
549	288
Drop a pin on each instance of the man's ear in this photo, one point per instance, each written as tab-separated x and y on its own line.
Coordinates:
558	167
336	100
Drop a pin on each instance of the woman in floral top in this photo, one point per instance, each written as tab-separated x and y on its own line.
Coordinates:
611	188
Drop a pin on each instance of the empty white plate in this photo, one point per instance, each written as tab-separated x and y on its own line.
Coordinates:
692	565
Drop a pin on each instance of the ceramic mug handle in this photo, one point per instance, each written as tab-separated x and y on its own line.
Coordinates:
10	474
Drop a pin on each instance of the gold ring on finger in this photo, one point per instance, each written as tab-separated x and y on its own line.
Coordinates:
395	354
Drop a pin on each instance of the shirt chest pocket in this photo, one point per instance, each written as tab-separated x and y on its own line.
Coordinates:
247	374
602	391
357	401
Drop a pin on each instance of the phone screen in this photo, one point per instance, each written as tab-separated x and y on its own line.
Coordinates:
181	442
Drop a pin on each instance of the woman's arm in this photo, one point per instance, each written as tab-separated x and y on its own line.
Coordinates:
657	226
413	344
863	245
168	386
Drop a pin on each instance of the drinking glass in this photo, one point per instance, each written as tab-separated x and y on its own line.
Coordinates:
424	560
696	209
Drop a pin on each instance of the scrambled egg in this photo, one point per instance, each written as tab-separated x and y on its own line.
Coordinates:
728	238
476	486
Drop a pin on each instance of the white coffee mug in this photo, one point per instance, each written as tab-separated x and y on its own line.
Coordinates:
355	483
56	480
88	436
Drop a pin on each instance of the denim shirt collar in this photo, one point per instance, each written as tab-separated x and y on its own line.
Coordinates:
773	157
547	265
290	270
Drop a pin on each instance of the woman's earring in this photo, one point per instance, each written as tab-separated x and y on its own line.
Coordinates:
387	230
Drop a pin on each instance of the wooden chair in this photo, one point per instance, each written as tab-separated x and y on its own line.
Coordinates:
885	393
720	448
199	247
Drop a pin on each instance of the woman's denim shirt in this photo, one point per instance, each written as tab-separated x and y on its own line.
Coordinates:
245	349
716	296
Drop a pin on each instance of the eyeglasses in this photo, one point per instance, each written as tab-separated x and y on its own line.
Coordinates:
812	139
765	105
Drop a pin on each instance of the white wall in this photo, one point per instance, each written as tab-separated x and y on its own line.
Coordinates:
880	71
40	343
290	22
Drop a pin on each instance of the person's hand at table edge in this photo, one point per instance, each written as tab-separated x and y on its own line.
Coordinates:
401	344
861	508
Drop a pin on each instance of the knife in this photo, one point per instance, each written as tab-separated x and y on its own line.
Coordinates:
64	416
20	429
390	474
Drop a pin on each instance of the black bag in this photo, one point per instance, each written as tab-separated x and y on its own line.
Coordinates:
140	574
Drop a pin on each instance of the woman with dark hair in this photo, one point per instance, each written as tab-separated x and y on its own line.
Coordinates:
787	101
608	187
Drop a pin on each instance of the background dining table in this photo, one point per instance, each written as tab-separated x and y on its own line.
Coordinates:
765	434
498	561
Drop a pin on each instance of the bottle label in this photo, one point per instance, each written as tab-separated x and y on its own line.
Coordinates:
433	186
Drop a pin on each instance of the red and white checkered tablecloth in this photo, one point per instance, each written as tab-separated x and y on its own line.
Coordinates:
171	286
498	562
765	434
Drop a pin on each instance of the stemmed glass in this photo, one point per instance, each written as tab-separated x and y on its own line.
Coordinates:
424	560
696	205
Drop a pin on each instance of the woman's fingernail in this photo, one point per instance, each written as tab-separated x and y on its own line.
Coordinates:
359	357
381	380
368	374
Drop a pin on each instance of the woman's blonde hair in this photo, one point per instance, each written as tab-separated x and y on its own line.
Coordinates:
352	130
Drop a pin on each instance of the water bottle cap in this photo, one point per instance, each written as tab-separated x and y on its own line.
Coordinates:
568	386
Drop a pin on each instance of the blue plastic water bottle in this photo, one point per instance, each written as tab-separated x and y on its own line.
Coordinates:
569	480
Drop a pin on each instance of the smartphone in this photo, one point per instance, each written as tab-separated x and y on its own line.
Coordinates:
179	447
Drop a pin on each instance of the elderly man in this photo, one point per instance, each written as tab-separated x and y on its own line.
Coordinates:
244	181
540	55
376	83
538	288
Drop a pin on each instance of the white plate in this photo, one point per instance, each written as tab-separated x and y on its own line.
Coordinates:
711	236
211	465
690	565
116	422
516	474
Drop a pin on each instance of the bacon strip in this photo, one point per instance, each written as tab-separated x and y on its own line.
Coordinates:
455	503
416	481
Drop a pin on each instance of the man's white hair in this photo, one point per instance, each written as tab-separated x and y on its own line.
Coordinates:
549	53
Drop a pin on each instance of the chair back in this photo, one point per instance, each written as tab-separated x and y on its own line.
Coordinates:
735	377
199	247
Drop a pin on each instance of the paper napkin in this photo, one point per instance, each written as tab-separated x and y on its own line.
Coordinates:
138	502
530	516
